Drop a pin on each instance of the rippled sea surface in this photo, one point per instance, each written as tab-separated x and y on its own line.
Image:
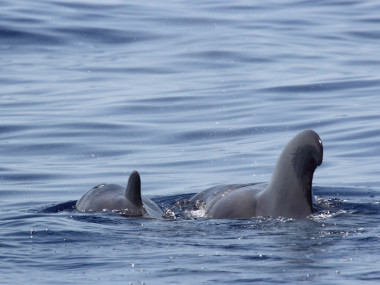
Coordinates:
192	94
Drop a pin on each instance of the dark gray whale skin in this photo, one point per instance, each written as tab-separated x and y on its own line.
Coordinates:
288	194
126	201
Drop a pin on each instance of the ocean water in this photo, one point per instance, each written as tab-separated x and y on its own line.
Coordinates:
192	94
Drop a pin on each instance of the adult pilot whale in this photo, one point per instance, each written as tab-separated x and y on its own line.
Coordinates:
126	201
288	194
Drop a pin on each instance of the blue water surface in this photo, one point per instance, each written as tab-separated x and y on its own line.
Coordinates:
192	94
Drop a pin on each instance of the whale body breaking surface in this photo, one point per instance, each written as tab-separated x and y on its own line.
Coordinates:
288	194
126	201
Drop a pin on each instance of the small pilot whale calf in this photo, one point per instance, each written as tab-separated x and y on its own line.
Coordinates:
126	201
288	194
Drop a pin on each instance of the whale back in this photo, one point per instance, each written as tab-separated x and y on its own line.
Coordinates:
112	197
126	201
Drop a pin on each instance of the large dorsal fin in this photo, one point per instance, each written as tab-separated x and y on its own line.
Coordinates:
133	191
290	187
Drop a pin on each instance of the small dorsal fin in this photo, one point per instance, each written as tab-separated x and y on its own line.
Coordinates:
133	191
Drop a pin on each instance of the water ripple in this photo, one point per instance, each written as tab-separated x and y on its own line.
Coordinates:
325	86
192	95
